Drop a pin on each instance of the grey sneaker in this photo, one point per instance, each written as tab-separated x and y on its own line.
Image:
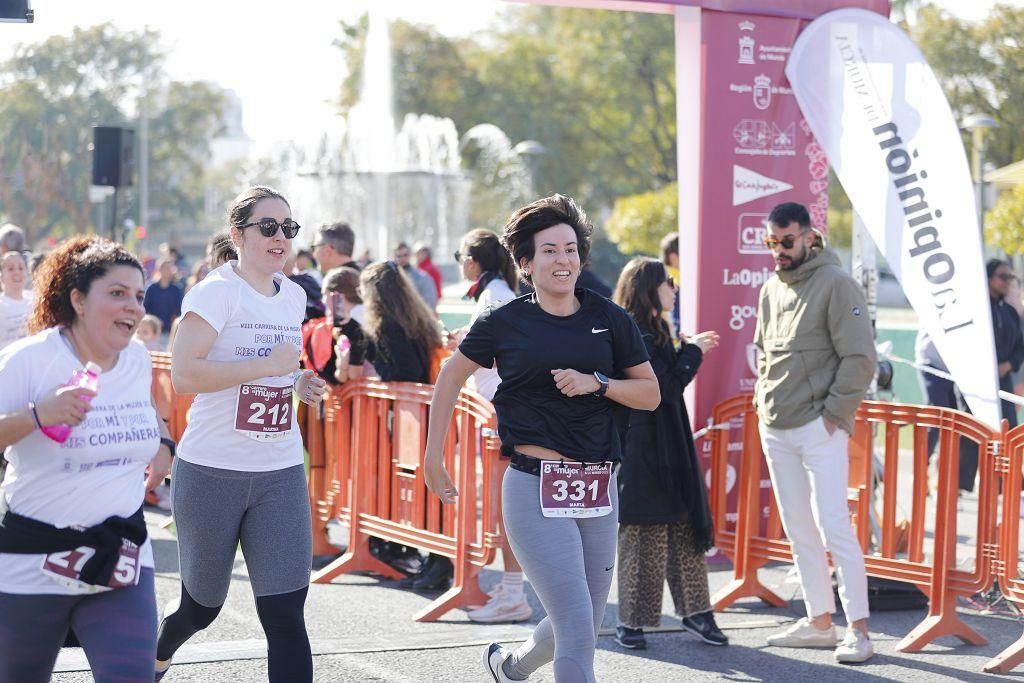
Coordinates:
494	656
804	634
855	648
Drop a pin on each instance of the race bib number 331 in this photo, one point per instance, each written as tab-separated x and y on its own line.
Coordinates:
575	489
264	413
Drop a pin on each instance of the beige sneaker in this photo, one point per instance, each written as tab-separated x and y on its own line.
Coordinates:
855	648
804	634
502	608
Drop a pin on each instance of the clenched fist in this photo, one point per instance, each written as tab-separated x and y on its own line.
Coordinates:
283	360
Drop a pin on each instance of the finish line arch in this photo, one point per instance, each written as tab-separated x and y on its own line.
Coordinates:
742	146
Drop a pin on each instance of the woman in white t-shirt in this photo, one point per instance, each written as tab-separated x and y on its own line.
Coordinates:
239	477
74	553
16	301
487	264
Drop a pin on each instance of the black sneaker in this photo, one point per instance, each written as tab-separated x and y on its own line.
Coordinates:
704	627
630	638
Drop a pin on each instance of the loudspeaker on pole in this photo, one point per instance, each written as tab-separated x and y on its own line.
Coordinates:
113	156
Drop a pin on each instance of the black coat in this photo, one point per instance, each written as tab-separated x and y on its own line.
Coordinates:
661	480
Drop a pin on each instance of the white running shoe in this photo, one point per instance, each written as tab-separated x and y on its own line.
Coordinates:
804	634
855	648
494	656
503	608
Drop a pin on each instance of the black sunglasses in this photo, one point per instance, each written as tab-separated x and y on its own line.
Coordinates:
787	242
671	281
268	227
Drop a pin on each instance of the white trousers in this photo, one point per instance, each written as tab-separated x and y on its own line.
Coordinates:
810	472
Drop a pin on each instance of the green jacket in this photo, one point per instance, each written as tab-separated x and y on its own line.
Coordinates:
817	345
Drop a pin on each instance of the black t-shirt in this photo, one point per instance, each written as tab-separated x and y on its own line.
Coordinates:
526	343
396	357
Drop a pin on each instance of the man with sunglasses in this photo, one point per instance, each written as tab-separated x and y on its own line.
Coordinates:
816	363
333	247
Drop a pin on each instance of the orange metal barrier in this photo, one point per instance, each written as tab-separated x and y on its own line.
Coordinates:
935	574
173	408
1007	565
372	478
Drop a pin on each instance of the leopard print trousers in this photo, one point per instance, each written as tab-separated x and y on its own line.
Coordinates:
650	554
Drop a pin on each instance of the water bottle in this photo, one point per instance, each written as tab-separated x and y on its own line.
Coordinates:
89	378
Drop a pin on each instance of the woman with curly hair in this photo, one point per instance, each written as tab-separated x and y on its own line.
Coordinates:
74	553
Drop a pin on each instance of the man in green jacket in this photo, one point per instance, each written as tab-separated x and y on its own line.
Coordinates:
817	361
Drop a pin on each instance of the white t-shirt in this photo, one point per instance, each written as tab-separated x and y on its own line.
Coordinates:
98	472
14	318
495	294
248	324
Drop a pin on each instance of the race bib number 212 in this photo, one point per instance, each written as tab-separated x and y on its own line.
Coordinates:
264	413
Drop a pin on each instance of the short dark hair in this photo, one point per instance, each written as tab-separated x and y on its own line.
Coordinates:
790	212
308	254
669	245
338	236
992	265
344	279
541	215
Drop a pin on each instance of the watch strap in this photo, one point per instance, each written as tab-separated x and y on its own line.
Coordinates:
170	445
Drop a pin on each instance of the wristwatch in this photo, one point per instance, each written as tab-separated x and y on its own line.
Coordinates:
173	447
602	382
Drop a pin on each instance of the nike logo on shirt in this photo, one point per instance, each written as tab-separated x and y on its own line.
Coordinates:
594	330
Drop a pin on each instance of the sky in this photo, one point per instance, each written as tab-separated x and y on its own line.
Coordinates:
275	54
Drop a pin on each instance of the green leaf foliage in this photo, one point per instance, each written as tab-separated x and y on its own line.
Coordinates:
1004	224
53	93
639	222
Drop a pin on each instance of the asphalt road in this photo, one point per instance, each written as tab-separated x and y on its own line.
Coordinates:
361	630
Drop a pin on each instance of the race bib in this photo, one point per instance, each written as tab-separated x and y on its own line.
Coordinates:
65	568
575	489
264	413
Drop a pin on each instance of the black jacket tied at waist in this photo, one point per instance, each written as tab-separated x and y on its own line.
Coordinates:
661	481
25	536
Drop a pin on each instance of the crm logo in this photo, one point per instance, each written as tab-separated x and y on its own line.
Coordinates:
752	231
739	315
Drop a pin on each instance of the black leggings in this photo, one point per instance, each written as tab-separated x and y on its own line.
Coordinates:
288	655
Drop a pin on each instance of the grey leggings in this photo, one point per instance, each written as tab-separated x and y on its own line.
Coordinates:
215	510
117	630
569	563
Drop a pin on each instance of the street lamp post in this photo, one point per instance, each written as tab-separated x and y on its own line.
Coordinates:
978	125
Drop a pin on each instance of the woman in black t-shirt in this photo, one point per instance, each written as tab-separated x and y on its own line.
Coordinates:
568	359
402	333
401	337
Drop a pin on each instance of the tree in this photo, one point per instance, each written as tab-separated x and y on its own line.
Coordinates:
1004	224
639	222
981	68
52	93
595	88
187	118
